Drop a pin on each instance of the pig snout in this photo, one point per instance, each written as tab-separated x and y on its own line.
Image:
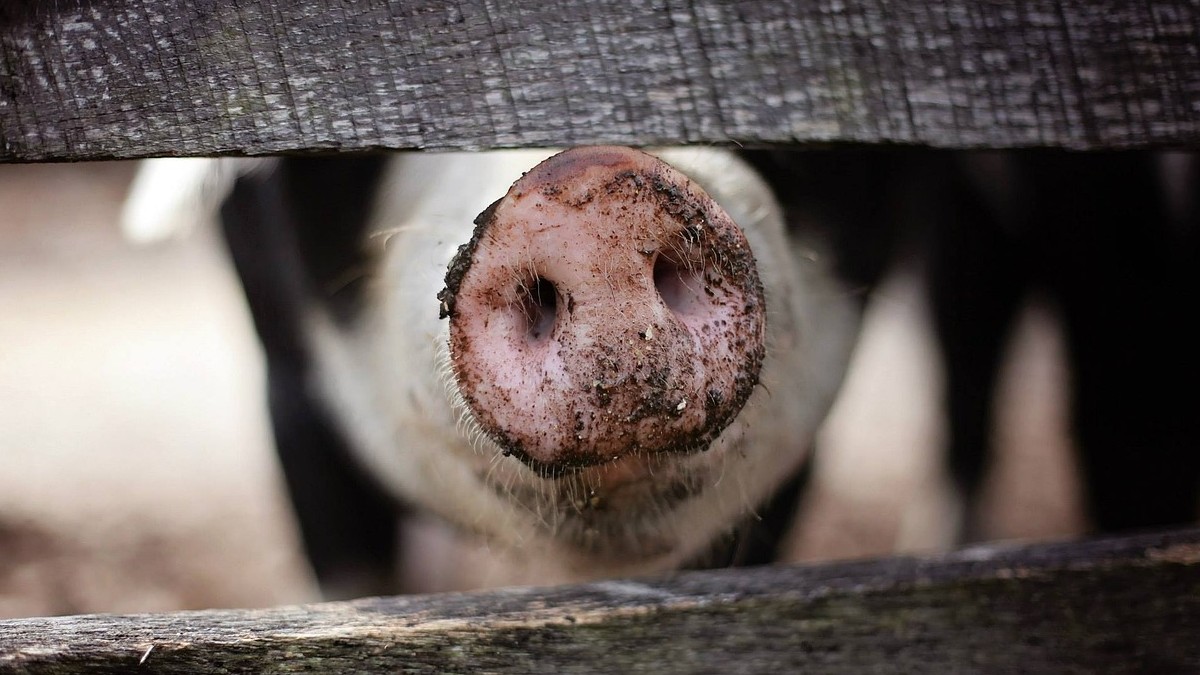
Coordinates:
605	307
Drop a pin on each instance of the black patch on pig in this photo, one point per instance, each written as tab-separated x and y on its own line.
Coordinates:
852	198
284	253
1086	231
1090	232
328	203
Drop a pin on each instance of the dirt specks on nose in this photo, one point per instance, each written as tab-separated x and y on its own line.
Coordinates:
606	306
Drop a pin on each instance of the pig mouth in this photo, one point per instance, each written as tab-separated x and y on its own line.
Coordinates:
628	465
664	478
616	511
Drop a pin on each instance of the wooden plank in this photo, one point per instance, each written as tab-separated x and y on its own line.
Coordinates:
1116	605
99	79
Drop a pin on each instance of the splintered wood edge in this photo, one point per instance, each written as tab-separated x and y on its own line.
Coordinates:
86	79
1118	605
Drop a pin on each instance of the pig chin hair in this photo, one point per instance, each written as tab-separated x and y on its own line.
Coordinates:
634	521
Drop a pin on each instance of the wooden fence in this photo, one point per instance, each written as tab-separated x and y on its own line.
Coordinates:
98	79
1121	606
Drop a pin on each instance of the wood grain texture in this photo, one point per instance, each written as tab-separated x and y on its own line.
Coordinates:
1115	606
96	79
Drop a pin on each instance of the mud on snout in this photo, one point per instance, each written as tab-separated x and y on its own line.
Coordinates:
605	313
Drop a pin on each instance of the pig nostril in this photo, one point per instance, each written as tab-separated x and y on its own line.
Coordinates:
680	283
539	302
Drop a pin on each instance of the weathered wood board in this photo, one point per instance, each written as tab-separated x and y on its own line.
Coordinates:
1117	606
95	79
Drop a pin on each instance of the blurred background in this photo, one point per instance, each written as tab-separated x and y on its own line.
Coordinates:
136	467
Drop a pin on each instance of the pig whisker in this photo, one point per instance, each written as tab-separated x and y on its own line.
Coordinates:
608	279
347	277
383	237
722	467
743	494
465	423
544	506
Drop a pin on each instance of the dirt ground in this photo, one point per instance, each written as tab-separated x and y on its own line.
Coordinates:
136	472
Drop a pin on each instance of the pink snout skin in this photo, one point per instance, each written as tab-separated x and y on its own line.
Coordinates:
605	308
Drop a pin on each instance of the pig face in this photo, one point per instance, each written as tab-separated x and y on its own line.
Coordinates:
608	360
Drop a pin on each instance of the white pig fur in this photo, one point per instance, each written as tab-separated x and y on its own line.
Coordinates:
387	379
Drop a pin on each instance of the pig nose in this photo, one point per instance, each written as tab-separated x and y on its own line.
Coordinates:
605	307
